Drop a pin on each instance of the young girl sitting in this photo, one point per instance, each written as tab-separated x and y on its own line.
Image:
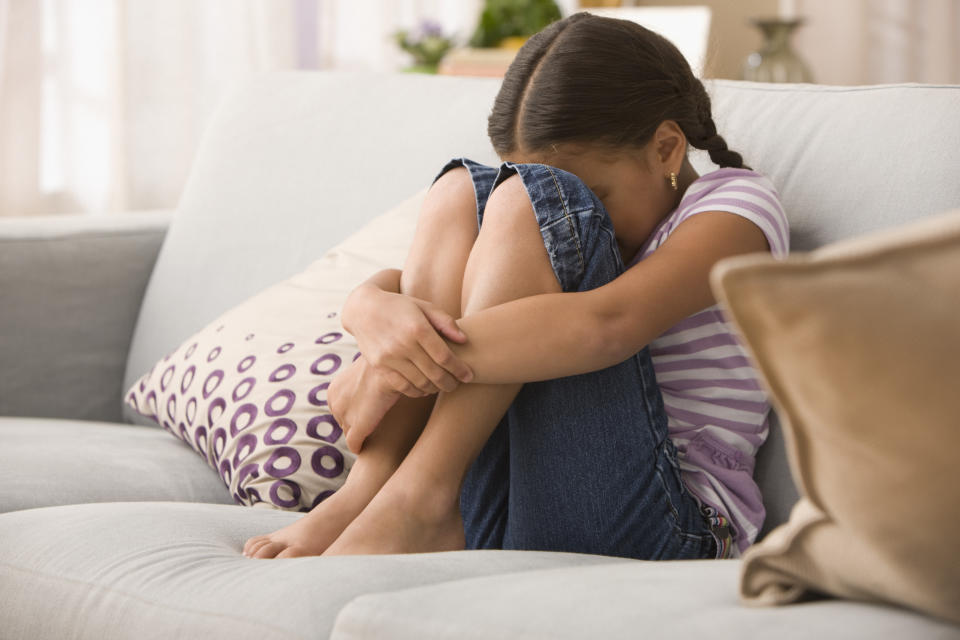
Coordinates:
609	408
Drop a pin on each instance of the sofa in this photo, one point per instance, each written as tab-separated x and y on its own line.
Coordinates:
111	528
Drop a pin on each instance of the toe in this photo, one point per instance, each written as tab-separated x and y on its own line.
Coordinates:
256	546
252	542
269	550
291	552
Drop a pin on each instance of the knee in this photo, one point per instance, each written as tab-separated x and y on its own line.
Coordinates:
446	229
509	259
450	201
509	209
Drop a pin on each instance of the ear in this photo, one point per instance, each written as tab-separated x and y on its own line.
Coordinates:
668	148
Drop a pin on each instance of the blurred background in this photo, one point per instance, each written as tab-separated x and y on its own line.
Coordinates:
103	102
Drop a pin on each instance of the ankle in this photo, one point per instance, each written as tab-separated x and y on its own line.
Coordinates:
429	498
369	475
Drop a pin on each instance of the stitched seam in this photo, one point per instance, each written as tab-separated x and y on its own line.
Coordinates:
200	612
566	214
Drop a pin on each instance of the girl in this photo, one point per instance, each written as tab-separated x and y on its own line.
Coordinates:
610	408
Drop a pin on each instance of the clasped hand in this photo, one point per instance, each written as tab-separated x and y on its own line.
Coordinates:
404	353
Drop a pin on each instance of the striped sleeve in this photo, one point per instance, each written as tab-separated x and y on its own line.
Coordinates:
754	198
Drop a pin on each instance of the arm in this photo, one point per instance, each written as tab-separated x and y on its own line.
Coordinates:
402	336
599	328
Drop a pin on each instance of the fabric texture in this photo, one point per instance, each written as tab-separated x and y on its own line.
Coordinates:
623	601
718	412
160	570
56	462
581	463
859	346
248	392
70	290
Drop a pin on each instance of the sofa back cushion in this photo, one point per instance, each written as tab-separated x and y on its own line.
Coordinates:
293	162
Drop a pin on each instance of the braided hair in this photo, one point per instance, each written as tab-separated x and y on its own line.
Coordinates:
602	81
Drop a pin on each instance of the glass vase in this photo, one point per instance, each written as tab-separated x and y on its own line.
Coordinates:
776	61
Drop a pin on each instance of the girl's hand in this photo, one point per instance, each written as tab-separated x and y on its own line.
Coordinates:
358	398
403	338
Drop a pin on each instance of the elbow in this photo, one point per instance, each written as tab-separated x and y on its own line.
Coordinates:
610	338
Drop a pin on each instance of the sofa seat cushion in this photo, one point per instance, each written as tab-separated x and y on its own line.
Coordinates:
629	600
175	570
48	462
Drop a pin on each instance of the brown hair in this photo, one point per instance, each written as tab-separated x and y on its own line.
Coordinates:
588	79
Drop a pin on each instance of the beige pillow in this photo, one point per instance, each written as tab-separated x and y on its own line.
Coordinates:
859	344
248	392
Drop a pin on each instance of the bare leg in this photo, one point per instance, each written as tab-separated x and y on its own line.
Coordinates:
418	508
446	230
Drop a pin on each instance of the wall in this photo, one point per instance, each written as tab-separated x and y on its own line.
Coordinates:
732	37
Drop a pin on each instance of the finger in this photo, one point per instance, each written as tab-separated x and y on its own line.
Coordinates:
412	374
355	440
440	377
445	324
401	384
440	353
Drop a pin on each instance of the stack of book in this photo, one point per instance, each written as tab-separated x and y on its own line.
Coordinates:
491	63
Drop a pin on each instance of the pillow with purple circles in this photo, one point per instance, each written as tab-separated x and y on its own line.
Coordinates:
248	392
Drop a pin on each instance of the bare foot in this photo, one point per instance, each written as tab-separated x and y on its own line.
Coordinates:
401	521
313	533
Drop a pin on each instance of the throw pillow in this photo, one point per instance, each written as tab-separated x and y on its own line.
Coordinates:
859	344
248	391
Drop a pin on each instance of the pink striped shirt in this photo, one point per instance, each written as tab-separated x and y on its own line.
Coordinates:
717	412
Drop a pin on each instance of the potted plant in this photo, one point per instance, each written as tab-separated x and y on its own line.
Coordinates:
426	44
516	20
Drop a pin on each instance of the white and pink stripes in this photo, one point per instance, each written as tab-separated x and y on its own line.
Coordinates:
717	412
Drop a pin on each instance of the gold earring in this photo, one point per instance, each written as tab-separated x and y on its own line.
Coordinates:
673	181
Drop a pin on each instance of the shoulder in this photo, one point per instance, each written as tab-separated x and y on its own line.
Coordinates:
742	192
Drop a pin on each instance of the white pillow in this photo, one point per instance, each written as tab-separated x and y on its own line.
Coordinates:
248	391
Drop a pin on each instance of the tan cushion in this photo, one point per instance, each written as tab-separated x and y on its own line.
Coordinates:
859	344
248	391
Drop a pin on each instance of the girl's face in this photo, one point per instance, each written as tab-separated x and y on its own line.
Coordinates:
636	196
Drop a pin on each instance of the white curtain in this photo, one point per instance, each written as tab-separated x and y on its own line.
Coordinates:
102	102
881	41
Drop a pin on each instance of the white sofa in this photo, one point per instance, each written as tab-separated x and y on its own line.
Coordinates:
112	530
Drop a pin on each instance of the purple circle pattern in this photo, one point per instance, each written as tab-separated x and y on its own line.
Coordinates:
326	364
187	378
215	410
271	409
166	377
283	372
266	453
326	452
270	436
243	388
314	399
191	410
249	411
313	428
217	377
291	455
290	485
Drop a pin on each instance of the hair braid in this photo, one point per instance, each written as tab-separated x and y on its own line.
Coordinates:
707	138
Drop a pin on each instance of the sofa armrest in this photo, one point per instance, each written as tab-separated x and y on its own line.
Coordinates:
70	292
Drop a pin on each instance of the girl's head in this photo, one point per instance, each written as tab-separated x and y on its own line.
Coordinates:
602	82
614	103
